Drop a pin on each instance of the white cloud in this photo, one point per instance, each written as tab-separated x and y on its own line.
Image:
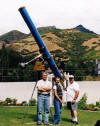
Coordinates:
61	13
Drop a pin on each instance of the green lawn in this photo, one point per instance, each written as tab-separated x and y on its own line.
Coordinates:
12	116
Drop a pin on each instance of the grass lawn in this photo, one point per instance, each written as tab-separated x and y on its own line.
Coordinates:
12	116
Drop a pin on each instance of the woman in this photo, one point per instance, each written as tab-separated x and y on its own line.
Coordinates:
57	101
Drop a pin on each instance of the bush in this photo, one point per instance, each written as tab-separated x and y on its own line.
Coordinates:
91	105
98	104
24	103
82	102
32	102
14	101
3	103
8	101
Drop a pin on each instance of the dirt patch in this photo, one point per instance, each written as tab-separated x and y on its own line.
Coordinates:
92	43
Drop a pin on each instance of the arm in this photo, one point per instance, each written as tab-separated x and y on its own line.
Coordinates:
75	97
44	89
48	89
41	89
56	95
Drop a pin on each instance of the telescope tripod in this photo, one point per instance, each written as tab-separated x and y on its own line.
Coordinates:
28	103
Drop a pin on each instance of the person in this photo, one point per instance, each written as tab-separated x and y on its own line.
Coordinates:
72	98
44	87
97	123
57	101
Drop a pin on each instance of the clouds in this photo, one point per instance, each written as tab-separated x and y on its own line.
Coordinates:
61	13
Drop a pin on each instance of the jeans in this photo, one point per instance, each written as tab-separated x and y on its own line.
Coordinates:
57	107
43	102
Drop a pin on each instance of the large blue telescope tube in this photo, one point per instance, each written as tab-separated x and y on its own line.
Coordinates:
40	42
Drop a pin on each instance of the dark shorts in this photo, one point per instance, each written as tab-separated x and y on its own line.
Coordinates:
72	106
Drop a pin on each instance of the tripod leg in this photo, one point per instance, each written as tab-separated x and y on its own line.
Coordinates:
28	104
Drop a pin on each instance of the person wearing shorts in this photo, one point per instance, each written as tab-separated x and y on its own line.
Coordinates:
72	98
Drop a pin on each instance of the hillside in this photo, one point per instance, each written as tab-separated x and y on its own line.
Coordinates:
73	50
12	36
62	43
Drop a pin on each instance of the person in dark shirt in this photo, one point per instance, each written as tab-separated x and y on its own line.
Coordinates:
57	101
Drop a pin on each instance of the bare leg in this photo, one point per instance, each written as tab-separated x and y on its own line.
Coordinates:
74	115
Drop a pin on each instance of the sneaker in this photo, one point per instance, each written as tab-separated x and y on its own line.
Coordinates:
39	123
75	123
71	121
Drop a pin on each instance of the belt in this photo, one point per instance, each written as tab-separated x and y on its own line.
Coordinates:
44	94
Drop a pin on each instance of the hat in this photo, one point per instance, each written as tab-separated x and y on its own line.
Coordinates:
71	76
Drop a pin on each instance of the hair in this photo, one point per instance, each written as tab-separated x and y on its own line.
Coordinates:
57	78
44	73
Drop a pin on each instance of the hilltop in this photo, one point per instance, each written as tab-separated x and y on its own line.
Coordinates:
12	36
83	29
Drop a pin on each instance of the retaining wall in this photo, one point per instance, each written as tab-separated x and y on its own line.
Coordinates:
22	91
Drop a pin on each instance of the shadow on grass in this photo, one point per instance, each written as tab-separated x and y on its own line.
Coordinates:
66	119
32	117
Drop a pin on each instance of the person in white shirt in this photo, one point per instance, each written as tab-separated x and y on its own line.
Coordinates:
44	87
72	98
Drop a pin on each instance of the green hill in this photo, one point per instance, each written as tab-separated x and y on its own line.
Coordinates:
12	36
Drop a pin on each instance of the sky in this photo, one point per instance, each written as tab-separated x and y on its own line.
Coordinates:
64	14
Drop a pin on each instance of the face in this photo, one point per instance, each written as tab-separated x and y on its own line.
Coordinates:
57	80
44	76
71	80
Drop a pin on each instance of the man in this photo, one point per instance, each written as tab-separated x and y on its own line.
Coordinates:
44	87
72	95
57	101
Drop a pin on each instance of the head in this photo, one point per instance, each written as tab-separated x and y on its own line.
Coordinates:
57	80
71	79
44	76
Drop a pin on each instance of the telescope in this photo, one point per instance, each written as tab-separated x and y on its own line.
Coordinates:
42	48
24	64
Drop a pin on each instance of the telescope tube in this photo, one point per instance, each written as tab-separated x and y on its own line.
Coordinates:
40	42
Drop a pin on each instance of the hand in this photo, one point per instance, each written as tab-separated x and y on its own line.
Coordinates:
65	89
61	101
73	101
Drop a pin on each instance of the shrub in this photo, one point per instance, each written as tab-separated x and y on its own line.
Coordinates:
14	101
98	104
3	103
24	103
32	102
91	105
82	102
8	101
